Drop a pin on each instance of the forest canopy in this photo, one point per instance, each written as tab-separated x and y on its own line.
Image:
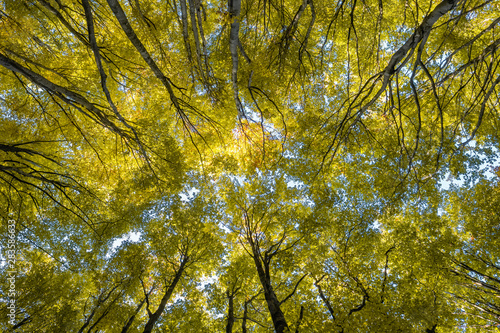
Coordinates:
250	166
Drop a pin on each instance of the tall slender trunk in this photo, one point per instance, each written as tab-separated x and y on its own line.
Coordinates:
230	313
153	318
325	300
131	319
273	304
244	321
234	8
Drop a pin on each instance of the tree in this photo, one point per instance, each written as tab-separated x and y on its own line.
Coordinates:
249	166
268	229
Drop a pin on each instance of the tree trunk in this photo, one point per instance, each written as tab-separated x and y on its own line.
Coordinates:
153	318
273	303
230	313
325	300
234	8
